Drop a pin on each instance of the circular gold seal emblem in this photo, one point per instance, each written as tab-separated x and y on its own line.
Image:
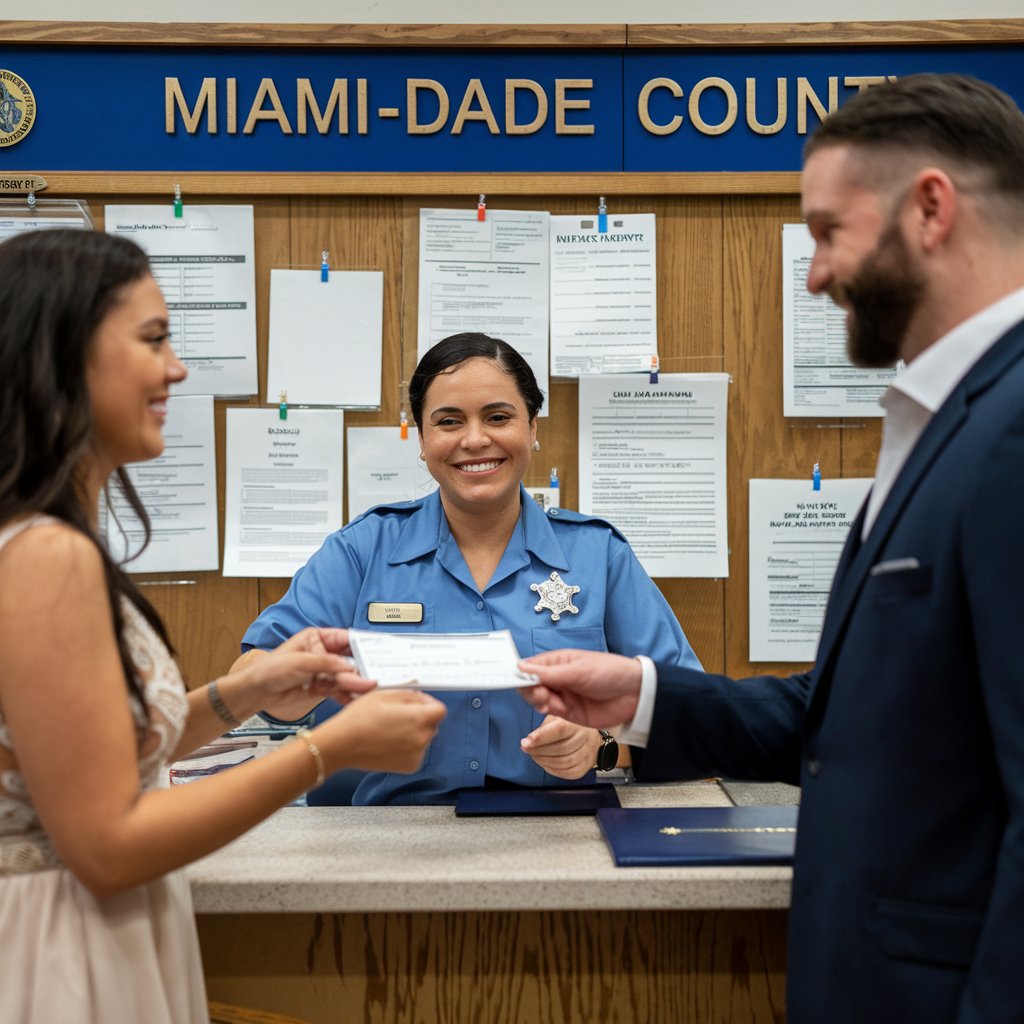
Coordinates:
17	108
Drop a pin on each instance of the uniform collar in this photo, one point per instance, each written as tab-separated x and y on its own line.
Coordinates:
427	528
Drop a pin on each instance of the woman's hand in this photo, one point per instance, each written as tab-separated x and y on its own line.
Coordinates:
383	731
561	748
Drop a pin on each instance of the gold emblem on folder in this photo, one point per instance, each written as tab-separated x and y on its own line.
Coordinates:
387	611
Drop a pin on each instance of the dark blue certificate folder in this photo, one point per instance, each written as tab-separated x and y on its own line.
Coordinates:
665	836
547	800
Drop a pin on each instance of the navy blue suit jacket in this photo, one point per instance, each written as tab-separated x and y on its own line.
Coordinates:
907	736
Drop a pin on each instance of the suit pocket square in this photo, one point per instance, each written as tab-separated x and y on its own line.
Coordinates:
894	565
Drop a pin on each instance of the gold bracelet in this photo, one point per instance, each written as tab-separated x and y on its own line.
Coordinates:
220	709
307	737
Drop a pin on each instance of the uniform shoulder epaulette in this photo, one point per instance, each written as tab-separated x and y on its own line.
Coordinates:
568	515
388	508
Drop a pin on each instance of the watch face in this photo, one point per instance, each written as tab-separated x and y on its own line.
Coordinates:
607	755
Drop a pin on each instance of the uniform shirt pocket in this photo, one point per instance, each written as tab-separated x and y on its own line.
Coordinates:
587	638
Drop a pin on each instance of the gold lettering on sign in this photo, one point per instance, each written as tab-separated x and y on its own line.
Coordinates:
267	91
205	102
865	82
562	104
305	102
475	91
514	85
362	106
232	118
780	108
731	106
805	94
645	95
412	91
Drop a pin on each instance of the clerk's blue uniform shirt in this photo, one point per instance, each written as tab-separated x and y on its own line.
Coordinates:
405	553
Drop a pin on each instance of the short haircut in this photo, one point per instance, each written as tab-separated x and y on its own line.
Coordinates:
455	350
963	124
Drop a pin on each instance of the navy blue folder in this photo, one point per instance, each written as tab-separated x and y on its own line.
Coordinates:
547	800
665	836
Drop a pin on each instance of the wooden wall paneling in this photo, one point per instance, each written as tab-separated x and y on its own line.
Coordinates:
560	967
762	442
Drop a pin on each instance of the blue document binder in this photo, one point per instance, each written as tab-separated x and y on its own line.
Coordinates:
547	800
666	836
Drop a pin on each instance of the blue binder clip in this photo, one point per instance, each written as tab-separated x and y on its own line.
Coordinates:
324	267
655	367
816	477
602	217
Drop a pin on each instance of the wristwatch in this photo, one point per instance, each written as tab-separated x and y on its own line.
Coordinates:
608	752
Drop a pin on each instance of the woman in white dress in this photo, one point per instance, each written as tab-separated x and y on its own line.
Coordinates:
95	915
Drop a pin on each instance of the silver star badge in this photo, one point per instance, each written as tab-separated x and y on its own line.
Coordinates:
556	595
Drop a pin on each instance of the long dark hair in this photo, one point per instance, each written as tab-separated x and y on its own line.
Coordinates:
456	349
56	287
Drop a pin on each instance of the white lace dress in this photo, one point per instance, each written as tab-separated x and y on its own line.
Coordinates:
65	956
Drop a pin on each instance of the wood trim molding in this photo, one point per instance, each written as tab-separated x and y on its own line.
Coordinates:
494	184
852	33
849	33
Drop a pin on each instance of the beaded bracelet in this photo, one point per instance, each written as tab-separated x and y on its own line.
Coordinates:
307	737
220	709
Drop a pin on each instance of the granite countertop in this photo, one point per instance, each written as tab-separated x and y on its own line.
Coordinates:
393	859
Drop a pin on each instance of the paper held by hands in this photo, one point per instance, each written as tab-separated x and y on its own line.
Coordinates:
439	661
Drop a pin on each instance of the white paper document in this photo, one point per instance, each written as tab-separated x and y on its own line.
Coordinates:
203	262
382	468
284	488
604	298
796	538
818	378
489	276
179	493
12	224
325	338
652	462
439	661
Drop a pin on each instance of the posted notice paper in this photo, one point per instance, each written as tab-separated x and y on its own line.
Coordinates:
284	488
604	297
489	276
382	468
652	462
439	661
179	493
325	338
203	262
818	378
796	538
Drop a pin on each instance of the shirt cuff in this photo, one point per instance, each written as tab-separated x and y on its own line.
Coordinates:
638	731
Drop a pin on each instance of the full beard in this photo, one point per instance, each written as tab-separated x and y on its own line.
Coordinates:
884	295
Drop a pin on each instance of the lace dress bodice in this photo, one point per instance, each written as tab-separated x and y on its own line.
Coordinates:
24	846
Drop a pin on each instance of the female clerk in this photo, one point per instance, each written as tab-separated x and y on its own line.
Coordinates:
467	559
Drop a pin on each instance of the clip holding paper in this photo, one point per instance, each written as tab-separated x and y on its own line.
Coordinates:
602	217
325	266
178	206
816	478
282	409
481	208
31	200
403	425
655	367
553	482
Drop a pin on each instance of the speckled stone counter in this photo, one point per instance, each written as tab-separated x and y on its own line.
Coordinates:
371	859
381	914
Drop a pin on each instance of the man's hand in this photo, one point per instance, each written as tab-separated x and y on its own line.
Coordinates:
588	687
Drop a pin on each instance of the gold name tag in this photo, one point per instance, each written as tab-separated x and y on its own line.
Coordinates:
381	611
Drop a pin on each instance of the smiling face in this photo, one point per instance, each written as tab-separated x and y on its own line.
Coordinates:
861	258
130	367
476	436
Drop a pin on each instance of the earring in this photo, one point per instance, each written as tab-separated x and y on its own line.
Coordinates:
536	446
423	457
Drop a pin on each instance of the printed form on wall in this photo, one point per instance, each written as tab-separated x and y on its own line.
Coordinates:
383	468
283	488
203	262
604	300
818	378
179	493
652	462
487	275
796	538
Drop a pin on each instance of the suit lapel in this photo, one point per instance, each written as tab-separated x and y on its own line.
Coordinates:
857	559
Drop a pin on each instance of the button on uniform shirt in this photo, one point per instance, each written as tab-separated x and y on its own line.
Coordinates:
405	554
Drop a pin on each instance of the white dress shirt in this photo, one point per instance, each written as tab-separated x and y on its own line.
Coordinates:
909	402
